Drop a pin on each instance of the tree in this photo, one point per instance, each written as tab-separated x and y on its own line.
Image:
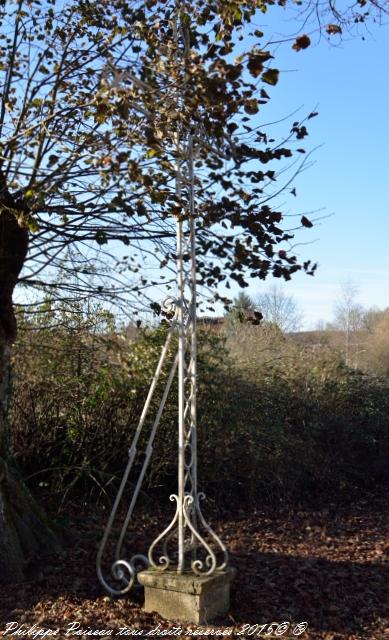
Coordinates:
376	343
372	317
333	19
242	310
243	302
349	314
98	102
280	309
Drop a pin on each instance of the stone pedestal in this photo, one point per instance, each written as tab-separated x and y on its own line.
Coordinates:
187	597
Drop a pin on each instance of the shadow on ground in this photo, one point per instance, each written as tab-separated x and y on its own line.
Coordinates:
326	569
342	597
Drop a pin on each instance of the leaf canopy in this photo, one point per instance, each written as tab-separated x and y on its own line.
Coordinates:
99	99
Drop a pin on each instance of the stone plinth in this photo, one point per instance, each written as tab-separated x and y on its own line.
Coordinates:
187	596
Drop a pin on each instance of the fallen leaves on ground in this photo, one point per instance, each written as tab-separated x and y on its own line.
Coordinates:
328	567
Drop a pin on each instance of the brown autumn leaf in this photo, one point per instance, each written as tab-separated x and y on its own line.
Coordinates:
302	42
251	106
333	29
271	76
305	222
256	62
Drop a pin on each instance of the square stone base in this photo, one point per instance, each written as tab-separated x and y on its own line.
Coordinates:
187	597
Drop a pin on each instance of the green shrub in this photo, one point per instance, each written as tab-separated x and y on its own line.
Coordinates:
274	420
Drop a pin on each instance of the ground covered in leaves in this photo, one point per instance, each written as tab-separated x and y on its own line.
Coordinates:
326	566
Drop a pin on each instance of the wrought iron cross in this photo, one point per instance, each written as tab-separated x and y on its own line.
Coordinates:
197	548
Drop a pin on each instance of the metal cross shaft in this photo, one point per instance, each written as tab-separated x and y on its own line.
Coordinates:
198	548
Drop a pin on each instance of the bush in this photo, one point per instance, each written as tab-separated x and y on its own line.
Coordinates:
275	420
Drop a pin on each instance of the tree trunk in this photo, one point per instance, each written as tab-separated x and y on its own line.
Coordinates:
25	532
24	529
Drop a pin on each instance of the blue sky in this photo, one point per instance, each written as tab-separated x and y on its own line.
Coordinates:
349	181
